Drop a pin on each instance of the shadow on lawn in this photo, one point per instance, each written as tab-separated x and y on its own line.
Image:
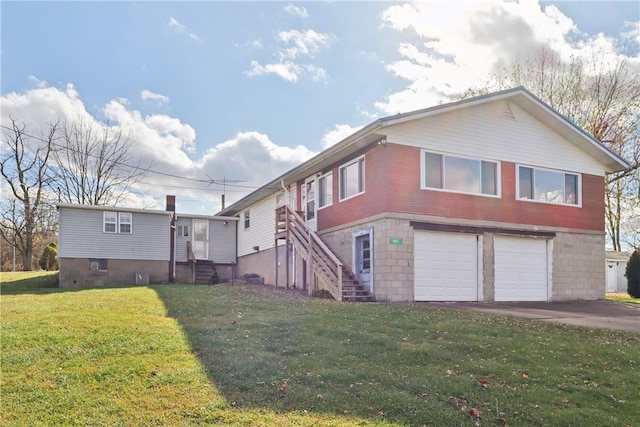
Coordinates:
31	285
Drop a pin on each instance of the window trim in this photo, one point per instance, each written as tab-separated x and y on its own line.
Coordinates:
100	262
105	222
328	200
247	219
559	171
423	185
121	222
180	230
358	160
117	223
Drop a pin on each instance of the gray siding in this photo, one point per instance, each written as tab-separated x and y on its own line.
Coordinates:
81	236
222	240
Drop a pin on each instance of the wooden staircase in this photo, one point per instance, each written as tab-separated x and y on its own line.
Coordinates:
205	273
323	264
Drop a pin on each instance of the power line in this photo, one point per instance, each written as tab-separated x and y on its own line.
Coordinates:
224	182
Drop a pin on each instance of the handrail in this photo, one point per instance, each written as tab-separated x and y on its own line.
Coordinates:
322	261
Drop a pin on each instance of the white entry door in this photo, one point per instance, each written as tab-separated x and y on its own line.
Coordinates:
521	269
363	259
309	202
201	238
445	266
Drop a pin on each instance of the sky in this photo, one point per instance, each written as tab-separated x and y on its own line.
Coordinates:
212	92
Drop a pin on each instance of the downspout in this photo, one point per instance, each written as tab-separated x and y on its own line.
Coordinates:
171	207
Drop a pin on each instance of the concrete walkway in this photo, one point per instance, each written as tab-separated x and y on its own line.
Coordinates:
596	314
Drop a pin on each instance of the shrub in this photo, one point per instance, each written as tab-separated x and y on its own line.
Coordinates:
633	275
49	259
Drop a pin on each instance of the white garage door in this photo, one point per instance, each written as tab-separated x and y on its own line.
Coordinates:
445	266
521	269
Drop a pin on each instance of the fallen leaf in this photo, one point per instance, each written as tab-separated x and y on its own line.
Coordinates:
525	376
474	412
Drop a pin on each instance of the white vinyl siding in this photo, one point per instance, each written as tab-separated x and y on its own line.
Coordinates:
222	238
484	132
261	232
81	235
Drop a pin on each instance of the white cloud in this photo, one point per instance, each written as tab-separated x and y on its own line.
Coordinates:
460	44
295	10
287	70
167	145
146	94
174	24
294	45
337	134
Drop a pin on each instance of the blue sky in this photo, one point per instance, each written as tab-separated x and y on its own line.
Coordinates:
247	90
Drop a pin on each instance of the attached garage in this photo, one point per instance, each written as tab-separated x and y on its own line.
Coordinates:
522	269
446	266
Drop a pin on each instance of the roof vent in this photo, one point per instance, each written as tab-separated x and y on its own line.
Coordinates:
507	113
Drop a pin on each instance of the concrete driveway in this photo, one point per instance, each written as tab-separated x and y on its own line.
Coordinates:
596	314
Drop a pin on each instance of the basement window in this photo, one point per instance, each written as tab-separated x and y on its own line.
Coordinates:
98	264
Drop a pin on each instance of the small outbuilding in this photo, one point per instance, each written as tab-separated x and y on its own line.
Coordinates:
616	264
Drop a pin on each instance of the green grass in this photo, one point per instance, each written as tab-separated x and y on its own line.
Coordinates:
622	297
202	355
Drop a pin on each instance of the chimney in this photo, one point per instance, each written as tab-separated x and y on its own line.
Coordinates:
171	203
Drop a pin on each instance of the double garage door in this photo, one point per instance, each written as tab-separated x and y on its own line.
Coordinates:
448	267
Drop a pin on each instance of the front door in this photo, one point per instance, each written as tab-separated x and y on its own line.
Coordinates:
309	201
363	259
201	238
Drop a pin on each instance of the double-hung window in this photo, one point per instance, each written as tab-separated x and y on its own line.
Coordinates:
325	190
460	174
110	223
548	186
124	222
247	219
117	222
352	178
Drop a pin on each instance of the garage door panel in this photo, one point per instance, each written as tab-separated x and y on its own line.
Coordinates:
521	266
445	266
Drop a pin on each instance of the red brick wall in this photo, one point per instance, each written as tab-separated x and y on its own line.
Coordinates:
392	184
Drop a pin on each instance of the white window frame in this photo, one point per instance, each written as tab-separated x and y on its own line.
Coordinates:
122	221
183	231
563	172
423	185
360	161
247	219
324	195
117	219
111	221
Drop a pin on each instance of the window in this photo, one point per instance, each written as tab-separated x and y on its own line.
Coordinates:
98	265
124	221
183	231
352	179
460	174
548	186
247	221
110	222
117	222
326	190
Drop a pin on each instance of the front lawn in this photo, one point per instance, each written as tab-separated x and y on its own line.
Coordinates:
232	355
622	297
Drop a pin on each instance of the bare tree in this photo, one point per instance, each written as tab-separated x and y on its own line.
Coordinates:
602	97
25	169
92	164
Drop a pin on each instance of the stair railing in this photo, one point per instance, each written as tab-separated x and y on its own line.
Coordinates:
321	261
